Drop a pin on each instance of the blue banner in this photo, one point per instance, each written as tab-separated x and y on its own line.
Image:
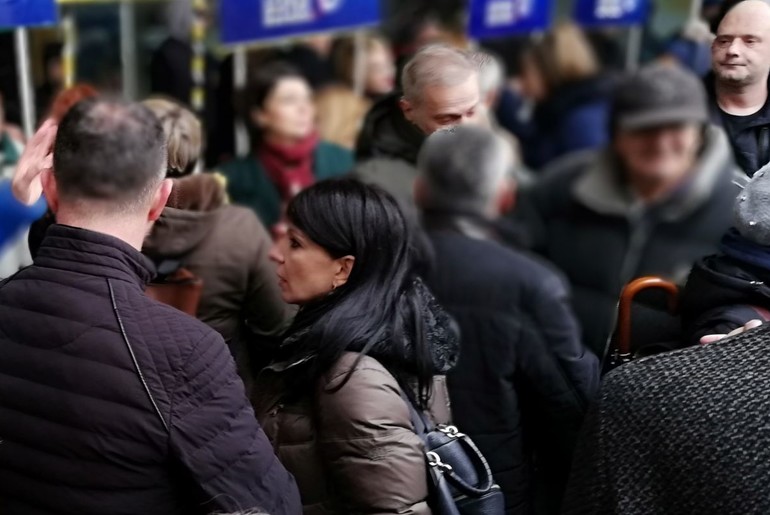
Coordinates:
596	13
496	18
25	13
253	20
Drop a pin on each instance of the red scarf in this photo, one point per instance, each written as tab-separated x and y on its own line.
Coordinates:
290	167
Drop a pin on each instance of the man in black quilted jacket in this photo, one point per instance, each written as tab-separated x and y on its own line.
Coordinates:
111	402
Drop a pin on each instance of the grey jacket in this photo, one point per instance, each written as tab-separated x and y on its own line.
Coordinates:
583	217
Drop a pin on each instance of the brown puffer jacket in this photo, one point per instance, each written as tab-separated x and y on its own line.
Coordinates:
352	450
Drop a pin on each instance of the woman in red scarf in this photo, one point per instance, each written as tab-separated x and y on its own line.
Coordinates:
287	154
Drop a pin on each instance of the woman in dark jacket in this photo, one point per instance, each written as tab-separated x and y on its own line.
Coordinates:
287	154
560	74
225	246
367	332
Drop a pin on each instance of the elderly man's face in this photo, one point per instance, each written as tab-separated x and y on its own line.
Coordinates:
445	106
664	154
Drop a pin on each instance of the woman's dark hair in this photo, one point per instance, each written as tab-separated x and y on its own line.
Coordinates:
261	85
379	311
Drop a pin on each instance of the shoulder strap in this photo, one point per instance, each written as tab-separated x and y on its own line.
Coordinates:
421	424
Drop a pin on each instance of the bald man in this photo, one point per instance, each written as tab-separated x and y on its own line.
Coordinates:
739	92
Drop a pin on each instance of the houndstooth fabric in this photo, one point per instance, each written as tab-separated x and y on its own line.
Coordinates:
682	433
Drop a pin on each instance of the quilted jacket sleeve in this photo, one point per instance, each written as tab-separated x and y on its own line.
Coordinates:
375	460
215	436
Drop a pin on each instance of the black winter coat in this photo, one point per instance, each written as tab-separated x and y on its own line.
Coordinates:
723	294
113	403
750	139
680	433
523	380
583	218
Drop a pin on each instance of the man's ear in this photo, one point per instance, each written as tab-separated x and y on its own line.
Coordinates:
407	108
159	199
343	272
50	190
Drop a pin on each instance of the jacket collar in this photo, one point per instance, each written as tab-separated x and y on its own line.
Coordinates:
92	253
603	190
387	133
469	225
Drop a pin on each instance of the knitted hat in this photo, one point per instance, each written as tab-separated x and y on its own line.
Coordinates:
658	95
752	209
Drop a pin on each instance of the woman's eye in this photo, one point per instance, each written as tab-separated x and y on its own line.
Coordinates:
293	243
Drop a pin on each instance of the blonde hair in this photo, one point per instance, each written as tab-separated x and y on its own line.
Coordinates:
564	55
340	115
183	132
344	56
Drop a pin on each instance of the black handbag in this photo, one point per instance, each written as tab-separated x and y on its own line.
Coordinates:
462	482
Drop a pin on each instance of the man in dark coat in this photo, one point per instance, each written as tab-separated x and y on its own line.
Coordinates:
440	89
684	432
738	88
524	379
111	402
653	203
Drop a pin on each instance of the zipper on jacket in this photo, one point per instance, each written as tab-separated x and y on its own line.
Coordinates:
639	225
764	147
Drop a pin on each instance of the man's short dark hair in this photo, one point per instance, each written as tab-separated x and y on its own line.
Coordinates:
111	151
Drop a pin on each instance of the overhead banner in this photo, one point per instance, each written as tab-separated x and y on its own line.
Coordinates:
26	13
244	21
496	18
596	13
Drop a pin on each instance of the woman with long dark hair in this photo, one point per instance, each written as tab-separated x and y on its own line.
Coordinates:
368	333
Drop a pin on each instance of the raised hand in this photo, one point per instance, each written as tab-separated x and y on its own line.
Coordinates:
36	158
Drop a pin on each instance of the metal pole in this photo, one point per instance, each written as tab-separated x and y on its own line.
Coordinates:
198	63
24	72
695	8
359	63
240	79
128	49
70	48
634	49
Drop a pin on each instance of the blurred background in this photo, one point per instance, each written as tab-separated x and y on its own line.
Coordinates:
111	44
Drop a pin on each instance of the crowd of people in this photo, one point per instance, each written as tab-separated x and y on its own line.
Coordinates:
184	331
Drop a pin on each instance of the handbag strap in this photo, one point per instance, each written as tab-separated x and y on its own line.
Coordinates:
481	464
421	424
444	499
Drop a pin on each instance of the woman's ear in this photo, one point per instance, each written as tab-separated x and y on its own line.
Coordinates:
343	271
